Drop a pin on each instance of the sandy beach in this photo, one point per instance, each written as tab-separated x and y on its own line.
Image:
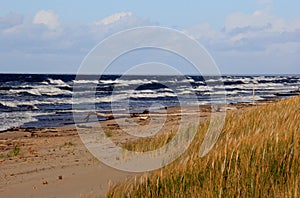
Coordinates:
149	99
54	162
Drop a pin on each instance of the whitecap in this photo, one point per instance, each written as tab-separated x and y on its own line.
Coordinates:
57	82
51	91
8	104
14	119
157	95
86	82
29	91
188	80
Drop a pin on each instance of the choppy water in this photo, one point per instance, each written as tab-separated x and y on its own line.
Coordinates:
46	100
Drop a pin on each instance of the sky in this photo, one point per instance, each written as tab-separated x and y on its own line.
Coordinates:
243	37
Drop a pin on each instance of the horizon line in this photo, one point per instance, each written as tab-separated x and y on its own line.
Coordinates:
112	74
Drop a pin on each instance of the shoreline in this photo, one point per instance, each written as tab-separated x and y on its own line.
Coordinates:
54	161
203	106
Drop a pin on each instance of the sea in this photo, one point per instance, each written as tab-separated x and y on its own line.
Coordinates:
44	100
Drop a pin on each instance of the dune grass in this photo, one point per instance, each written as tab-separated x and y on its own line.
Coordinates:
15	151
149	144
257	155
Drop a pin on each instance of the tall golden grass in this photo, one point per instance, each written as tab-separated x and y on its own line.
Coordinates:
257	155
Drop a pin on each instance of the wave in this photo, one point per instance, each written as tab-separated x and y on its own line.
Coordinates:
157	95
266	86
188	80
186	92
113	98
203	88
107	82
121	82
56	82
151	86
8	106
147	91
165	90
236	99
45	94
33	92
14	119
87	82
214	80
41	90
5	88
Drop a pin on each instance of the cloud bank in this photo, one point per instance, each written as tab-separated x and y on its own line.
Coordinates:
48	18
258	42
113	18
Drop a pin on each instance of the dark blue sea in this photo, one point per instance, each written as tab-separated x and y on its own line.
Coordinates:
39	100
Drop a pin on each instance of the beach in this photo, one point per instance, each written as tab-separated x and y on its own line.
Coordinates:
52	163
55	162
149	99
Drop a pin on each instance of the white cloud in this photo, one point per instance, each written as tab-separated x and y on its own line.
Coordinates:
113	18
258	38
247	32
28	36
48	18
258	30
40	39
259	42
257	21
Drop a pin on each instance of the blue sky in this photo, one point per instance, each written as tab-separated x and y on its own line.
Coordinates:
245	37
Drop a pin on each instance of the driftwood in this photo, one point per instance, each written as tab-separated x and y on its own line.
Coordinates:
146	114
136	115
107	116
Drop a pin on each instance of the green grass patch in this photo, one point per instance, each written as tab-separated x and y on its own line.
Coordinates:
67	144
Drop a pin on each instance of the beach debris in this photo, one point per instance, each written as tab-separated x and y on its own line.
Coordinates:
134	115
146	111
107	116
44	182
84	126
60	177
144	117
110	117
141	115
